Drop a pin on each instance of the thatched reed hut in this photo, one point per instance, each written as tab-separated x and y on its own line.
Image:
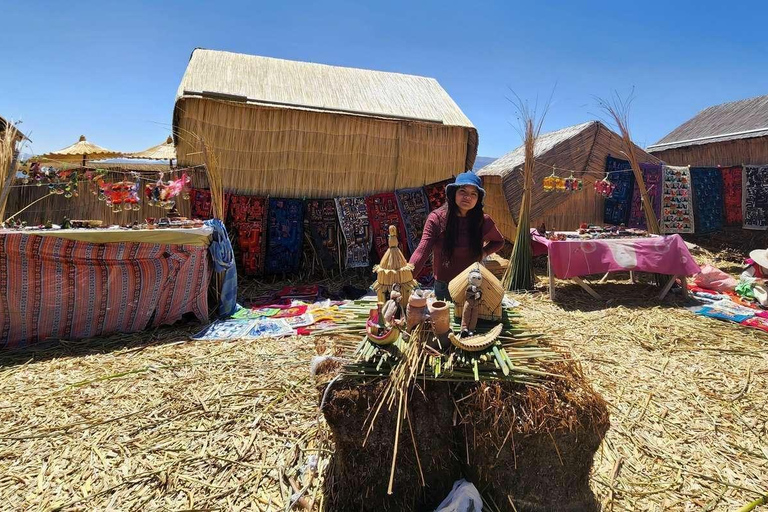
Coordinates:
298	129
581	149
4	126
734	133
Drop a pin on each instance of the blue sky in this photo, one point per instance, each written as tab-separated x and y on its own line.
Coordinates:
110	70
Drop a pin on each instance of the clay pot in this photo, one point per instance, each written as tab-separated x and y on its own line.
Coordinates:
441	317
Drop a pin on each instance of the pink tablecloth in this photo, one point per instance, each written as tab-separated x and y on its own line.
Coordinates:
659	255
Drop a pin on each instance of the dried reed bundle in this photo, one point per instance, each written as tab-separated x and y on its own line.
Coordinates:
8	161
215	182
618	111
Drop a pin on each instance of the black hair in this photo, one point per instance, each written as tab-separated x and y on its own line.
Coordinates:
475	218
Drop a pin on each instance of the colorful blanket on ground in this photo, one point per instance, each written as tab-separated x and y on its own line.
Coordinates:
248	219
414	208
656	254
323	224
200	204
64	289
382	213
286	235
677	207
732	177
353	219
616	208
652	177
436	193
707	186
755	196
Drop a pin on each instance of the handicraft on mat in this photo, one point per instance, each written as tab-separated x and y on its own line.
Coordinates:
353	219
707	185
677	207
732	178
652	177
755	197
286	235
617	207
436	193
324	230
382	213
248	218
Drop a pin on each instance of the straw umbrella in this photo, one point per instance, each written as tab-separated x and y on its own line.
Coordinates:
164	151
81	150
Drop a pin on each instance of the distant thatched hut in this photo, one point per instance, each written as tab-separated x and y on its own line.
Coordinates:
4	126
581	149
733	133
297	129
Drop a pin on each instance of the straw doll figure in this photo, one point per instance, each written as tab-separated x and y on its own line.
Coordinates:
471	303
393	309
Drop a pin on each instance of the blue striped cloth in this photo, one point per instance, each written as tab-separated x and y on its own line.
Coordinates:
224	261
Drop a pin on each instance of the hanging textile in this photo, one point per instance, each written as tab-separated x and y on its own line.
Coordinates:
223	261
200	203
732	177
248	219
324	229
677	207
617	207
353	219
436	193
382	213
707	186
414	208
652	178
755	196
286	235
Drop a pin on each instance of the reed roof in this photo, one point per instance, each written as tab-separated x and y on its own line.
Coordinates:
164	151
728	121
4	124
76	151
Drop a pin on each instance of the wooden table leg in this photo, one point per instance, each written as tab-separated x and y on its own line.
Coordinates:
684	282
605	278
586	287
632	276
667	287
551	279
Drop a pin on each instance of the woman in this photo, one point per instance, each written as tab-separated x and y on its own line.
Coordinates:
457	234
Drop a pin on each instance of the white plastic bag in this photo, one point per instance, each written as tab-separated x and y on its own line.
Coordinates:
464	497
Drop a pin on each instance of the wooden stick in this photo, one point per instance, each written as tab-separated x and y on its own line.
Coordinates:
551	278
667	287
586	287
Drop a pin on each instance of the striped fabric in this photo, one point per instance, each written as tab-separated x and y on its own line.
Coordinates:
64	289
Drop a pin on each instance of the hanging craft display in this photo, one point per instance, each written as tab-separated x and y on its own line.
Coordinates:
286	235
383	213
604	187
617	207
436	193
353	218
324	230
554	183
732	179
677	207
248	218
652	177
121	196
707	185
162	193
755	196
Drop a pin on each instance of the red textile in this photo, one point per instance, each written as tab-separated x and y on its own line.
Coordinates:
248	218
732	195
200	203
432	243
64	289
382	213
757	323
436	193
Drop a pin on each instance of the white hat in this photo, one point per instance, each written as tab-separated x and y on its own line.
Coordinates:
760	256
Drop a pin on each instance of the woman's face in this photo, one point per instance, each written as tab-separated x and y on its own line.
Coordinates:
466	198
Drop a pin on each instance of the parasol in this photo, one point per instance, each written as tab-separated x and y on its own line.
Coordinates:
164	151
81	150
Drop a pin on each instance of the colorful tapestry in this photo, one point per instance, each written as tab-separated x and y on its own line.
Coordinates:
677	207
248	219
223	330
200	203
616	208
653	183
414	208
56	288
707	186
382	213
436	193
755	197
268	328
323	223
353	219
732	177
286	235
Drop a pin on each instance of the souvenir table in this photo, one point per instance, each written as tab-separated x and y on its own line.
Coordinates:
80	283
575	258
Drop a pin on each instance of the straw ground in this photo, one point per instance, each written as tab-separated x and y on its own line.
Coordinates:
150	421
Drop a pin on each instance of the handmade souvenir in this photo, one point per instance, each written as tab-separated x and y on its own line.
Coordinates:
220	330
393	309
383	213
286	235
414	208
416	311
492	293
324	230
436	193
652	177
676	205
378	332
472	300
393	270
617	206
440	314
755	197
300	321
732	195
353	219
707	189
268	328
476	343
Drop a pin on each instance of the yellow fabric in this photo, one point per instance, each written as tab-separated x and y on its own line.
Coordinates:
195	236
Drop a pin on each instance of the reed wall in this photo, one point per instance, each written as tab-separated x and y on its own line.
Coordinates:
752	151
